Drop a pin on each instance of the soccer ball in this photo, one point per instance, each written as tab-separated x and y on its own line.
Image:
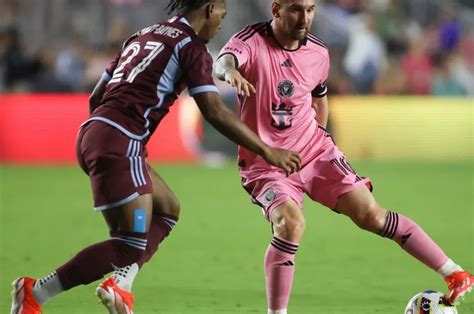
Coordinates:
429	302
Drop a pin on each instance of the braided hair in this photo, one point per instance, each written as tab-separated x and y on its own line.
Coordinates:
186	5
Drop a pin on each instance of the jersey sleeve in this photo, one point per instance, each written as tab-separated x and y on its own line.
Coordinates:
321	89
239	49
196	64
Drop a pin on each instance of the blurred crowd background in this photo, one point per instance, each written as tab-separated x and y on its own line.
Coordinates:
416	47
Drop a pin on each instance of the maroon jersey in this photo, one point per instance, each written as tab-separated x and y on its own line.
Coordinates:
153	68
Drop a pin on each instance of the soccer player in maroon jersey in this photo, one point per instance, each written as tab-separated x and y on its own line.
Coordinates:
280	70
132	97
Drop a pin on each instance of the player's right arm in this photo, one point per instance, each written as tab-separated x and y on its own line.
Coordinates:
225	69
235	54
227	123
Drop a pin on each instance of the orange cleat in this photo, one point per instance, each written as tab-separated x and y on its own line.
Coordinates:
459	284
116	300
23	300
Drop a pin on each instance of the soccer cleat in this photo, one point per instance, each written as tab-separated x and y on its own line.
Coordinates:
23	301
116	300
459	284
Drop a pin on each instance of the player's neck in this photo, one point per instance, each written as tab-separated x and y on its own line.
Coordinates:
195	20
284	40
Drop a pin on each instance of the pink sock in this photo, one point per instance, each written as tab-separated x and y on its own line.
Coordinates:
414	240
279	271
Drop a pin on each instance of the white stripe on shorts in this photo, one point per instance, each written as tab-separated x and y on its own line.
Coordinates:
140	165
136	163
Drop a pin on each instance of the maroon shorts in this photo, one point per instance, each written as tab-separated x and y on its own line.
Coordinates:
115	164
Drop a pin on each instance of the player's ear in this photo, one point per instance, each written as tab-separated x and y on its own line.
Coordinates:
276	9
209	10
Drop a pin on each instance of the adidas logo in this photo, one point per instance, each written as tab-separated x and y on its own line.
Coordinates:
286	64
405	238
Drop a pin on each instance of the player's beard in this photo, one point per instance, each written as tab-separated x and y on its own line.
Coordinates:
298	34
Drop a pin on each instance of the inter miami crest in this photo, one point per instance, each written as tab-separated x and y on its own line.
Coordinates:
286	89
270	195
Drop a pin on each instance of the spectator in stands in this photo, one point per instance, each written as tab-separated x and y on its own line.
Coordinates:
71	63
365	58
449	30
418	68
392	81
17	67
443	83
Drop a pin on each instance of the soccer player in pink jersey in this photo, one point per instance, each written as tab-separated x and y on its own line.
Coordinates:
280	71
132	97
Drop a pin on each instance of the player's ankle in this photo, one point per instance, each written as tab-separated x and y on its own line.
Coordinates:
448	268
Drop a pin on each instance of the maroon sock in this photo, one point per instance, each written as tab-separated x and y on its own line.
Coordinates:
99	259
160	227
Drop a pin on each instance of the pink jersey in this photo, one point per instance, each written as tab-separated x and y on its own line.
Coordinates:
281	111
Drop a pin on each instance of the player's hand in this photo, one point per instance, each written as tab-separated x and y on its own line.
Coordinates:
235	79
284	159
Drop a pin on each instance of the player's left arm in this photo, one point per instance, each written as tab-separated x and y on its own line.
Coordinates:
319	94
321	106
96	96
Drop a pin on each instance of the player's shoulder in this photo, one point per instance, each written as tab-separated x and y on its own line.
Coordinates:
251	31
316	43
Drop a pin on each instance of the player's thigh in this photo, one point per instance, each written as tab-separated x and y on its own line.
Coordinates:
329	176
133	216
164	200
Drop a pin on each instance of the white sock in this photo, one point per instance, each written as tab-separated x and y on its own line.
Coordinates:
448	268
125	276
47	287
277	311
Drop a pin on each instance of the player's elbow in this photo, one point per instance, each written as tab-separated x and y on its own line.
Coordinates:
218	73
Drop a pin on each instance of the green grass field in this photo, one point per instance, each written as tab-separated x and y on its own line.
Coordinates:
212	262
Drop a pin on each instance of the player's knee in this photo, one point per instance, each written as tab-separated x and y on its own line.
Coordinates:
170	206
290	227
370	218
176	208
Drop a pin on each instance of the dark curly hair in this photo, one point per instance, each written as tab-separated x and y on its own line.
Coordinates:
186	5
